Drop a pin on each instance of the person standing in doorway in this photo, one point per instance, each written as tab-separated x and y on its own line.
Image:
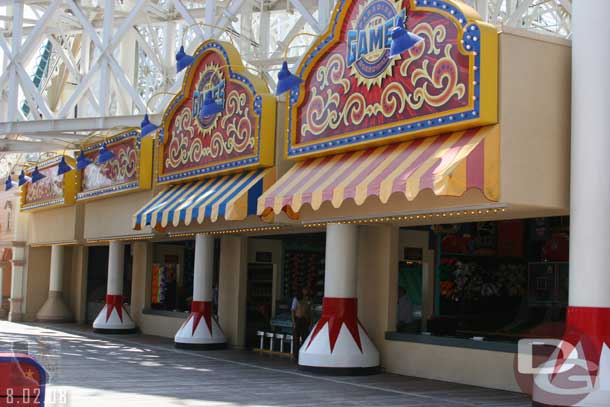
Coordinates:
405	310
301	319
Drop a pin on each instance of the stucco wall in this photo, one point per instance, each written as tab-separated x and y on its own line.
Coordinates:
534	116
112	217
55	225
160	325
38	272
232	289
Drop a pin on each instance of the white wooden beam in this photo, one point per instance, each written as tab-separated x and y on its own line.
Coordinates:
13	90
46	128
30	90
210	17
188	18
309	18
104	88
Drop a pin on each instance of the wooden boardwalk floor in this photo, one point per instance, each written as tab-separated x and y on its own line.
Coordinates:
136	370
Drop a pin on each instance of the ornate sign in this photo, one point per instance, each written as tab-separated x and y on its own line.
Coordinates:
129	170
51	191
354	94
241	136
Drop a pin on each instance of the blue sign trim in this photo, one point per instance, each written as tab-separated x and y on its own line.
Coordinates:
257	109
472	36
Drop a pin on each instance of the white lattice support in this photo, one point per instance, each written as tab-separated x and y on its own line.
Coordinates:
230	11
103	88
33	94
70	63
324	10
12	72
519	13
264	35
311	20
3	95
85	60
210	16
105	53
23	52
188	18
127	50
146	47
245	28
169	48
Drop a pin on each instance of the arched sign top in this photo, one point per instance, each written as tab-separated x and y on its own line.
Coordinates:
354	94
129	170
240	137
53	190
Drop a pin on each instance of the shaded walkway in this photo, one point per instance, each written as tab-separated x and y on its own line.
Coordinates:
139	370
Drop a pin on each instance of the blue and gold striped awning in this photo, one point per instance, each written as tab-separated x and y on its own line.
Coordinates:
232	196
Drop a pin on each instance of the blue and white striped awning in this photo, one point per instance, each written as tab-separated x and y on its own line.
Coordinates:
232	196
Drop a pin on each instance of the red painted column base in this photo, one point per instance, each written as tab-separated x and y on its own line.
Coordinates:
201	309
338	344
586	380
208	337
106	323
335	313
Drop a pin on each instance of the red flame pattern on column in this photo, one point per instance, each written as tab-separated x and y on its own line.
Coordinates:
201	309
336	312
114	302
588	327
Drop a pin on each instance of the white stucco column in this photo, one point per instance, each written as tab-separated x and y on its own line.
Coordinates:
116	266
232	289
16	310
201	329
55	309
338	343
204	268
588	315
114	317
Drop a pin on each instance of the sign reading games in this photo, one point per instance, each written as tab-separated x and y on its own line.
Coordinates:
355	95
53	190
129	170
240	137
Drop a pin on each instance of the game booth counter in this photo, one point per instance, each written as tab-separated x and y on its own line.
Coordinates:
73	209
381	184
48	217
214	158
116	179
464	129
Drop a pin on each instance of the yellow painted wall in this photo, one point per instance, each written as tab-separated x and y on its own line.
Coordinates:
460	365
232	289
111	217
55	225
160	325
534	118
38	273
